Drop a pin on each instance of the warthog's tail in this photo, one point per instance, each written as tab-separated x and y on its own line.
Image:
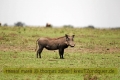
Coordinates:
36	44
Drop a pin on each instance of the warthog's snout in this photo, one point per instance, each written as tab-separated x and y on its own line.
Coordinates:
72	44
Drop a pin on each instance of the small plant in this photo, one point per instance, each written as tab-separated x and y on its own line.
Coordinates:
90	77
19	24
68	26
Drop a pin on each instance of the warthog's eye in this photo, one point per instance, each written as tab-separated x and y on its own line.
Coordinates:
67	39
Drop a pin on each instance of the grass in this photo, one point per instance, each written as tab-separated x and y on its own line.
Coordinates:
95	48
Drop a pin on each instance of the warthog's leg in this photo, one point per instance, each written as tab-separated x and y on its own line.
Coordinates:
39	52
61	52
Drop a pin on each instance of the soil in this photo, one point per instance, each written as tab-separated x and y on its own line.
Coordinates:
69	49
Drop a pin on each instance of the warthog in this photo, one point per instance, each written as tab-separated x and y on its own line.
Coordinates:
55	44
48	25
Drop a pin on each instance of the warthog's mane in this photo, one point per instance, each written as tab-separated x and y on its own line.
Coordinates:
55	38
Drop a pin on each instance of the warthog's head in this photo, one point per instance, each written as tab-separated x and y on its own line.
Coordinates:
69	40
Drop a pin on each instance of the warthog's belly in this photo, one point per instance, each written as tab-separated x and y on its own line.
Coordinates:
51	47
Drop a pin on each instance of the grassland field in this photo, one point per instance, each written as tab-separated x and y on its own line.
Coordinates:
94	48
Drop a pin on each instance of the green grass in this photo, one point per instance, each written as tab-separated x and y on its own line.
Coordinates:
95	48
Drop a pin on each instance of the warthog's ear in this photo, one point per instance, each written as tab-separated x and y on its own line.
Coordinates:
66	35
73	36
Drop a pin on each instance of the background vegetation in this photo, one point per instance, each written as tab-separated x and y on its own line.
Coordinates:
95	48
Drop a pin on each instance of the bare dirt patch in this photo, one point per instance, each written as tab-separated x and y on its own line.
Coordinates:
93	50
16	48
68	50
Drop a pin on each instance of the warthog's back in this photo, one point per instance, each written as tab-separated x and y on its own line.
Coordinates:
51	41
